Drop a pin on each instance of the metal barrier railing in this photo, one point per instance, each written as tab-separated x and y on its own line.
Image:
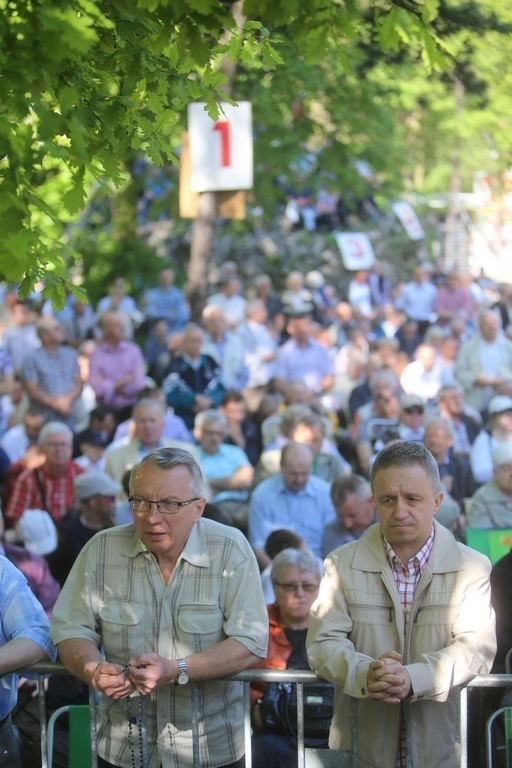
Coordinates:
297	677
481	681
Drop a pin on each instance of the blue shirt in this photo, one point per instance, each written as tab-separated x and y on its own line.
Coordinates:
21	616
222	464
307	512
168	304
310	364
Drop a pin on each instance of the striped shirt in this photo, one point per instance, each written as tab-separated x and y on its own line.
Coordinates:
406	579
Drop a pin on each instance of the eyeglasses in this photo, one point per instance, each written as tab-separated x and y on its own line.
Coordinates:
292	587
57	445
414	409
163	506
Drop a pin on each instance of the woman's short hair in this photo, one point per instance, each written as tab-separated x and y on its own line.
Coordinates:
303	559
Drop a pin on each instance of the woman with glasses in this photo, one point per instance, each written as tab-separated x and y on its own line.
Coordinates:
295	576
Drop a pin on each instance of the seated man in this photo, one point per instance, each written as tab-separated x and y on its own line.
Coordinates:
454	469
49	486
117	372
491	506
174	427
307	428
24	640
292	499
224	346
226	467
18	438
355	512
149	420
379	414
194	380
466	422
303	358
52	376
242	430
166	302
95	496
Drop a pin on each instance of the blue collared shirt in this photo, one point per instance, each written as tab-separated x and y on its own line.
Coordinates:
21	616
307	512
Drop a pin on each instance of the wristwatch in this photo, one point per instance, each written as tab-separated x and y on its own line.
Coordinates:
183	677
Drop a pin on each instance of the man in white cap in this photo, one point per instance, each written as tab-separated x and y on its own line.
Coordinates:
499	430
95	496
491	506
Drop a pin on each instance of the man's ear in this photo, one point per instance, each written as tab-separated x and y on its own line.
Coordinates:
437	500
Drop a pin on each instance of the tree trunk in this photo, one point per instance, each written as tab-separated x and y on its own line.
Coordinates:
204	226
200	252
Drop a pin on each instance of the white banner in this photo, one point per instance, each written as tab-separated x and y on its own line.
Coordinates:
407	217
356	250
220	150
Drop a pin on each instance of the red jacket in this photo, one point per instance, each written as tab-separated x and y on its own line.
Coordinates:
279	650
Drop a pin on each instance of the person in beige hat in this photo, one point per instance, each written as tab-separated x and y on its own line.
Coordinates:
412	415
95	500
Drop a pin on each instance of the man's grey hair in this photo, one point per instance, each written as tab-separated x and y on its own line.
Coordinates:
445	390
385	378
407	453
192	327
442	423
54	428
303	559
344	487
210	416
168	458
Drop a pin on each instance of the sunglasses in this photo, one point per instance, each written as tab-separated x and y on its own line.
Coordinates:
414	409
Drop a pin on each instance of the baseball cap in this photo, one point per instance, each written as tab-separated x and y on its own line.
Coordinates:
95	483
411	401
500	403
38	531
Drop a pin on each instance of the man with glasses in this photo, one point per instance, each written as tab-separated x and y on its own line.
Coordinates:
50	485
175	603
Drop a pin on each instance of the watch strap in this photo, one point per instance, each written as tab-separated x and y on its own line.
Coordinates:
182	667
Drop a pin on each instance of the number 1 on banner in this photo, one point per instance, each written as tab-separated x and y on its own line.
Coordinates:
222	126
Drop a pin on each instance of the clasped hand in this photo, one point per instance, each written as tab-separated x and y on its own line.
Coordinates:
388	680
142	674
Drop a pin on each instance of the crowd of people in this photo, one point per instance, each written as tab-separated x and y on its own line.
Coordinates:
241	451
